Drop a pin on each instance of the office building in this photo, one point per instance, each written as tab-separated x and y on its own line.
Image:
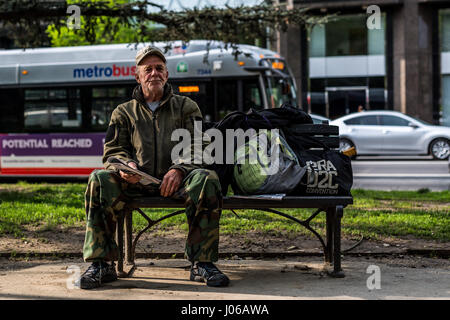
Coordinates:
384	54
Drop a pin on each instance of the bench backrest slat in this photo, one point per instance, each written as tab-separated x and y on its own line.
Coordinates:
324	133
315	129
331	142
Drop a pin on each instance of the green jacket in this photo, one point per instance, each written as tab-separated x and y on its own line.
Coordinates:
135	133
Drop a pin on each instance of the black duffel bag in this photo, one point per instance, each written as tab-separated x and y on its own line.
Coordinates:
328	173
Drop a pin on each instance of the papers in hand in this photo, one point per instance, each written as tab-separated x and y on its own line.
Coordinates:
123	166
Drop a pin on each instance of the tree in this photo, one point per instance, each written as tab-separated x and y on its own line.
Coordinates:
107	30
132	21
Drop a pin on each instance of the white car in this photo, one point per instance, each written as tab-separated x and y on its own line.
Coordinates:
392	133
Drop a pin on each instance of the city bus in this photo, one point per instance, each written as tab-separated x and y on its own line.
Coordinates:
56	103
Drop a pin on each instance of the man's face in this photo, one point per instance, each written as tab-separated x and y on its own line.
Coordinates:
152	74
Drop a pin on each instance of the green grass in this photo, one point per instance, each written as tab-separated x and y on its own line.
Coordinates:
374	214
42	205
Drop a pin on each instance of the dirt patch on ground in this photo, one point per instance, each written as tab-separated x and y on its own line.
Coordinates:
172	240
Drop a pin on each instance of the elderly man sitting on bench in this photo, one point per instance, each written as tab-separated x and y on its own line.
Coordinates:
140	133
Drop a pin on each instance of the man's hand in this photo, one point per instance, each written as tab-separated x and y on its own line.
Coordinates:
130	177
171	182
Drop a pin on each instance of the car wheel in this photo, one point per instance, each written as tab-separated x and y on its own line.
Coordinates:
345	144
440	149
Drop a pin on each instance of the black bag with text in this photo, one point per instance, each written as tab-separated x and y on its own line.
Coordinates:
328	173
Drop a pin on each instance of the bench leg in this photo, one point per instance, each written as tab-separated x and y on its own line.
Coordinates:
337	270
119	240
329	231
129	255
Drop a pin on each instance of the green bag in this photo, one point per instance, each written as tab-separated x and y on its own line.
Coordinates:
266	164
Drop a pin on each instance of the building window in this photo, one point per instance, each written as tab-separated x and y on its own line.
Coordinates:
377	99
445	30
317	42
318	103
339	81
444	23
446	100
376	38
347	36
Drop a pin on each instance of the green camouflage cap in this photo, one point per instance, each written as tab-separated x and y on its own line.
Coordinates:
149	50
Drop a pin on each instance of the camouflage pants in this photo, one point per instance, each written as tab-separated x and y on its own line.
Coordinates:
107	193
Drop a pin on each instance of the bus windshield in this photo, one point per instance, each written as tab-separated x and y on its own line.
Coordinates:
279	91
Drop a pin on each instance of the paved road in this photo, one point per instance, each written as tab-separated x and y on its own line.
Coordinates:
374	172
400	174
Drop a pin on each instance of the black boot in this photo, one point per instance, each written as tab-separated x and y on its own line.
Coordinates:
96	274
208	272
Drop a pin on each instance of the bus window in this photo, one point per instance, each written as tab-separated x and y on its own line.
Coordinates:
197	91
104	101
45	94
11	111
226	97
50	115
46	109
252	95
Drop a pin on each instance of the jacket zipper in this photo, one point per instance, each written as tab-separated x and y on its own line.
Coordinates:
155	124
155	118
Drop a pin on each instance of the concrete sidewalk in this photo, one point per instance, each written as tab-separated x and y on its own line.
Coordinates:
292	278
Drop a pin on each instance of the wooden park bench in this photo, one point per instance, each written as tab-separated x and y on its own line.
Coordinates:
331	206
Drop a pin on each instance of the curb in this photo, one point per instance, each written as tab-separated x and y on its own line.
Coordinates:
445	176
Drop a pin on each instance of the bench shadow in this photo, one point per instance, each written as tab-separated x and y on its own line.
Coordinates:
257	282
